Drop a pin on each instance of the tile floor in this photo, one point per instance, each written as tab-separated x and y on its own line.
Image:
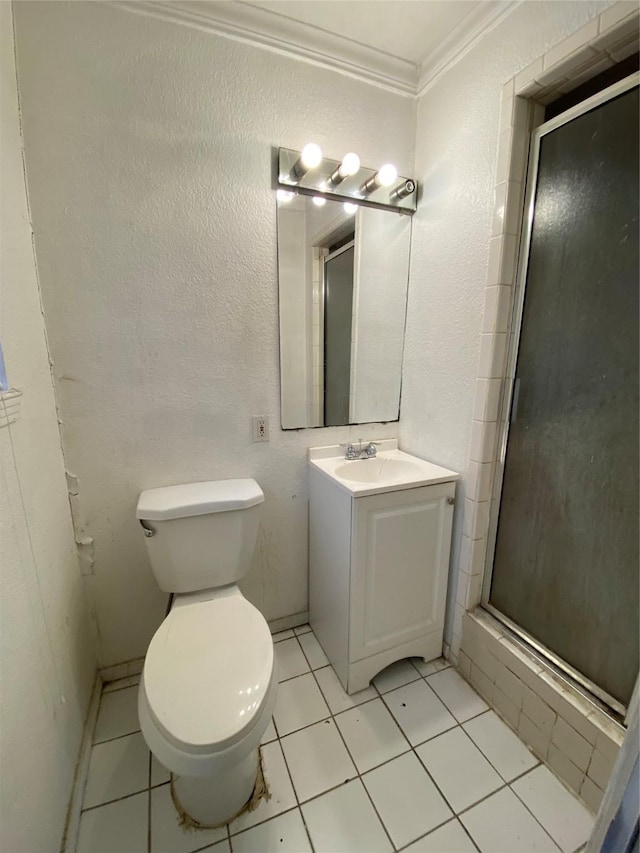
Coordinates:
415	762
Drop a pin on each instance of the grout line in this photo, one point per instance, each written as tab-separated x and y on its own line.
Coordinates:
356	768
557	843
106	690
115	800
117	737
149	805
286	763
452	819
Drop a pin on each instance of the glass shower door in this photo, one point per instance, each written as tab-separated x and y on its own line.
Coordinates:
565	567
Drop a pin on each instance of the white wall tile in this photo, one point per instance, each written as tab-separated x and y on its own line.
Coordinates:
600	768
507	709
616	13
538	712
564	768
573	745
591	794
533	736
570	46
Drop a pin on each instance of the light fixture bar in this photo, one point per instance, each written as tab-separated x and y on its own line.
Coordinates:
344	180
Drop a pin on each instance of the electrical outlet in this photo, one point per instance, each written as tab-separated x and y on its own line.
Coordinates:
260	428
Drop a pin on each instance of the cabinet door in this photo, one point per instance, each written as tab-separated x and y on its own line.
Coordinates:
399	567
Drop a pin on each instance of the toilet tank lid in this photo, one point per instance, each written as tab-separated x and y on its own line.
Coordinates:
192	499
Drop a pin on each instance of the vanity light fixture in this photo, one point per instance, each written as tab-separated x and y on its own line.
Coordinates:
384	177
311	173
310	158
318	200
349	166
350	207
403	190
284	195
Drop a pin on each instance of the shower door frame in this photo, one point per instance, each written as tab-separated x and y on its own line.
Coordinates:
504	421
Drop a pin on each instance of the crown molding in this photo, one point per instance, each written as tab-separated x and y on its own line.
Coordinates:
463	38
262	28
251	24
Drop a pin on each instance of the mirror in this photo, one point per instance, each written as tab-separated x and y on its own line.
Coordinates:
342	273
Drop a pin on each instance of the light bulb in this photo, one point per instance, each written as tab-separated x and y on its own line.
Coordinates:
284	195
319	201
350	165
350	208
387	175
311	156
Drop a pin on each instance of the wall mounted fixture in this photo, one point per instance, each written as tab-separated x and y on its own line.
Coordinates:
308	172
309	159
384	177
349	166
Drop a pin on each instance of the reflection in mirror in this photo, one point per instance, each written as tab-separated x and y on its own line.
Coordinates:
343	272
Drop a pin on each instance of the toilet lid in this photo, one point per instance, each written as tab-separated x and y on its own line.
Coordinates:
206	672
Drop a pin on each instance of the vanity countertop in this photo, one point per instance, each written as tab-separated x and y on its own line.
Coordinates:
389	471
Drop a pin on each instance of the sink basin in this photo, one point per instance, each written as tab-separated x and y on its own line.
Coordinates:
389	471
376	470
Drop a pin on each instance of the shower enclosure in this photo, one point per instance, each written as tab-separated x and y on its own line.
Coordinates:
563	544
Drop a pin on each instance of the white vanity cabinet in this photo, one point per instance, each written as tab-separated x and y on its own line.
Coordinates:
378	570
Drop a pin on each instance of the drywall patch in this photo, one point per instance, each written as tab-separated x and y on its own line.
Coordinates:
84	544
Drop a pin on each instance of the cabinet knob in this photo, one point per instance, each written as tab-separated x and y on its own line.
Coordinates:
451	501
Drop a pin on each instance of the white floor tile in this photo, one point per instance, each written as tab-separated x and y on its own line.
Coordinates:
285	833
371	735
344	820
120	826
450	838
270	733
500	745
337	698
459	769
167	836
117	768
313	651
280	788
501	824
406	799
459	697
219	847
299	704
118	715
302	629
419	712
290	660
159	773
563	816
317	759
283	635
399	673
431	666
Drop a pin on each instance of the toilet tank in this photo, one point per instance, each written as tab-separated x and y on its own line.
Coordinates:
200	535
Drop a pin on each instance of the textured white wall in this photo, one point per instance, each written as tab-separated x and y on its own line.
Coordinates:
457	139
47	662
148	149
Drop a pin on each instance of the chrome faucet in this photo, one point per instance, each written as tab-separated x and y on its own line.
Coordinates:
368	452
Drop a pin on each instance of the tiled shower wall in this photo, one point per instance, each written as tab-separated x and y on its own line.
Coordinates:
578	741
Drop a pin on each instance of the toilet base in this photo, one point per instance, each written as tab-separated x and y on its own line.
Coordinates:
215	800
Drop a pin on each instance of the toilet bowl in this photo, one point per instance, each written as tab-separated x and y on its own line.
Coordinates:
209	683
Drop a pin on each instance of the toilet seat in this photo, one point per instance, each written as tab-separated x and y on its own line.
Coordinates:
208	672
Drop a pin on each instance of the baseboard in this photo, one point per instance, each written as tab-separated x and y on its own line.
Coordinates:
121	670
74	809
285	622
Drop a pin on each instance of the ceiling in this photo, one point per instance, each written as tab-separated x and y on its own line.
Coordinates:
406	29
402	45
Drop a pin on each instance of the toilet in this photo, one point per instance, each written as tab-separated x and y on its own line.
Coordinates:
209	683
